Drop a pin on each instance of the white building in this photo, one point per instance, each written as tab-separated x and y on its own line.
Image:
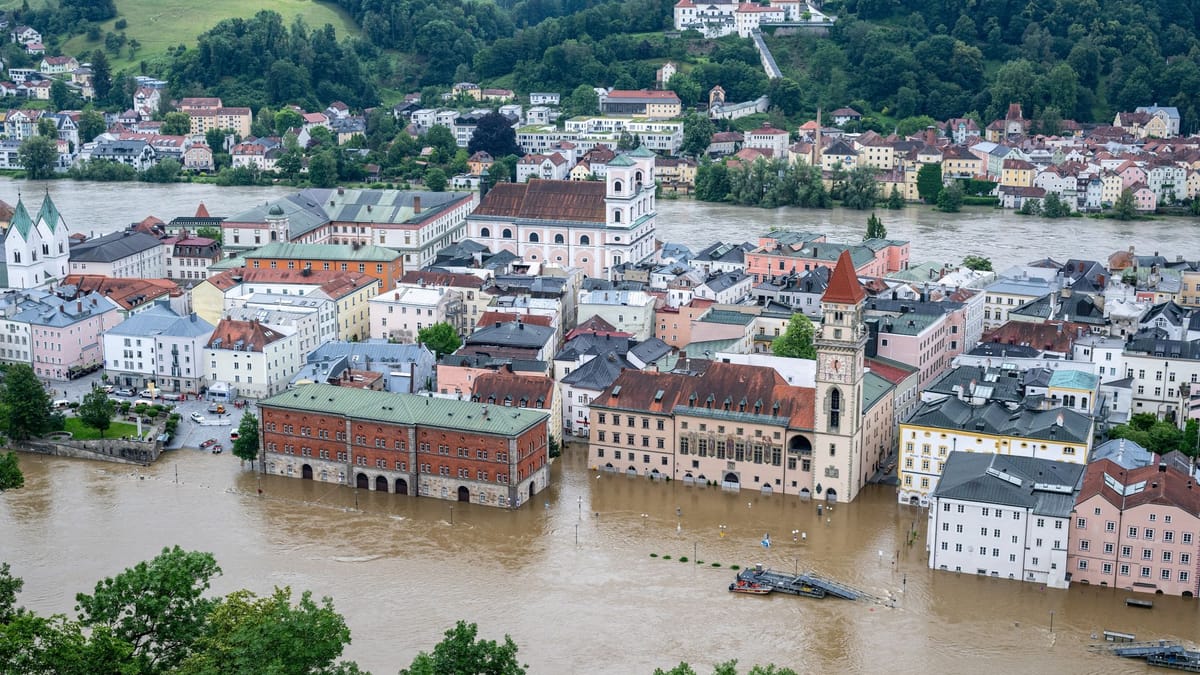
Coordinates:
124	255
1005	517
401	313
629	311
590	225
544	167
254	359
159	346
36	250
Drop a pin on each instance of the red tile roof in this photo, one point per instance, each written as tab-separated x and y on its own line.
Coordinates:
252	334
546	200
1169	487
520	391
844	287
1055	336
493	317
126	292
434	278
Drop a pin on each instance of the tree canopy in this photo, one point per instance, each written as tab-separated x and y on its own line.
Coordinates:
977	263
461	653
245	447
38	155
494	135
875	228
11	477
97	410
797	341
27	402
440	338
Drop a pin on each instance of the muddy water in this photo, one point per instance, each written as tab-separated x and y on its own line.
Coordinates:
402	569
100	208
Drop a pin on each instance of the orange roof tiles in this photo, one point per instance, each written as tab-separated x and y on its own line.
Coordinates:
844	287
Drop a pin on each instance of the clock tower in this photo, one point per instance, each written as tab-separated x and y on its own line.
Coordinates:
841	345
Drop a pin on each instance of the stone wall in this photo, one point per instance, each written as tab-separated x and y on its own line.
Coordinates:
109	450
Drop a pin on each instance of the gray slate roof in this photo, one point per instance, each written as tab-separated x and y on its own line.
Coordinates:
113	247
997	419
512	334
161	320
1046	488
598	373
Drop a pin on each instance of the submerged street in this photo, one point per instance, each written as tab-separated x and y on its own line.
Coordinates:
403	569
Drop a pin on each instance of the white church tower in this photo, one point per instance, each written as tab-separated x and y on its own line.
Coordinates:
630	212
37	251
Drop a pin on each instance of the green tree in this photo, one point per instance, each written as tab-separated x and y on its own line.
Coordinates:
435	180
797	341
165	171
245	447
38	155
290	163
157	606
861	188
582	101
11	478
1123	209
322	169
929	182
91	125
1157	436
48	128
494	135
440	338
787	94
216	139
248	634
101	75
61	96
1054	207
213	233
27	402
442	141
977	263
698	131
461	653
894	201
950	199
875	228
176	124
97	410
287	119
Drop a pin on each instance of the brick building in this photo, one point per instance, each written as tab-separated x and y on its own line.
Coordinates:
406	444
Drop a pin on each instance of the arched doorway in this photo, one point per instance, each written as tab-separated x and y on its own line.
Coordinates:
464	495
805	493
730	481
531	487
381	484
401	486
1187	594
306	472
914	500
831	495
362	481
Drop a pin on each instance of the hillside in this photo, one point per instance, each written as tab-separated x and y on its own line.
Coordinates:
161	24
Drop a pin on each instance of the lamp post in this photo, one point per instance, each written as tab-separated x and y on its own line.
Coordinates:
451	515
581	507
1051	621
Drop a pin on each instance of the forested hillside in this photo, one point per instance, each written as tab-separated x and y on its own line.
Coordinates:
893	59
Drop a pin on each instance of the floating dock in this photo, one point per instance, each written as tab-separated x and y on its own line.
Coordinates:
1161	653
806	584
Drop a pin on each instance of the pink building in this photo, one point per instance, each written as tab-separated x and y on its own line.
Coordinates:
66	335
1137	529
918	340
781	253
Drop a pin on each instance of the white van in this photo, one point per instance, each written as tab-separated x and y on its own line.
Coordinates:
61	404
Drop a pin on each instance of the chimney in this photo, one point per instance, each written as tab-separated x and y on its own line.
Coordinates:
1162	468
416	204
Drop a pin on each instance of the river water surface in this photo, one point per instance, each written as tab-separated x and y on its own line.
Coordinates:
1003	236
403	569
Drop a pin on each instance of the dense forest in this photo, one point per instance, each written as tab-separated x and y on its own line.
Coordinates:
892	59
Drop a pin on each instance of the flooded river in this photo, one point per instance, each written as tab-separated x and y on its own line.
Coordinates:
403	569
1006	238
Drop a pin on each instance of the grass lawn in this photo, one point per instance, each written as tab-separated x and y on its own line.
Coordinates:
159	24
83	432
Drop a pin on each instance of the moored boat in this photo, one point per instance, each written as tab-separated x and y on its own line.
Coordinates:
749	587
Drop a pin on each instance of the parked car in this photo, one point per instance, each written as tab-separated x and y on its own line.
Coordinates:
127	393
146	393
197	418
143	401
173	396
208	444
108	388
234	435
61	404
216	409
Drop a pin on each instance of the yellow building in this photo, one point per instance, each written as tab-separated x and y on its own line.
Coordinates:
938	428
958	162
234	119
1017	173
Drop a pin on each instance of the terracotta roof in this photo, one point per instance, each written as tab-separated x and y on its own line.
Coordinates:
435	278
1169	487
510	389
666	95
493	317
1055	336
252	335
892	371
126	292
596	325
844	287
721	387
232	277
581	201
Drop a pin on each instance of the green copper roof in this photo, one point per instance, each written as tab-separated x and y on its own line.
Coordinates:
382	406
49	213
621	160
21	221
642	151
1073	379
368	252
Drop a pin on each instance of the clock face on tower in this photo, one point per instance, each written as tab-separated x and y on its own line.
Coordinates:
833	368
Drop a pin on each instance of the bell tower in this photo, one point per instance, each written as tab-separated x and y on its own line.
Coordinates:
837	420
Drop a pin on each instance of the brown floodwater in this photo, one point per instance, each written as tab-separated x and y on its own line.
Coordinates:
403	569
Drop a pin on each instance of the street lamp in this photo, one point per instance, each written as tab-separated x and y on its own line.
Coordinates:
451	515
